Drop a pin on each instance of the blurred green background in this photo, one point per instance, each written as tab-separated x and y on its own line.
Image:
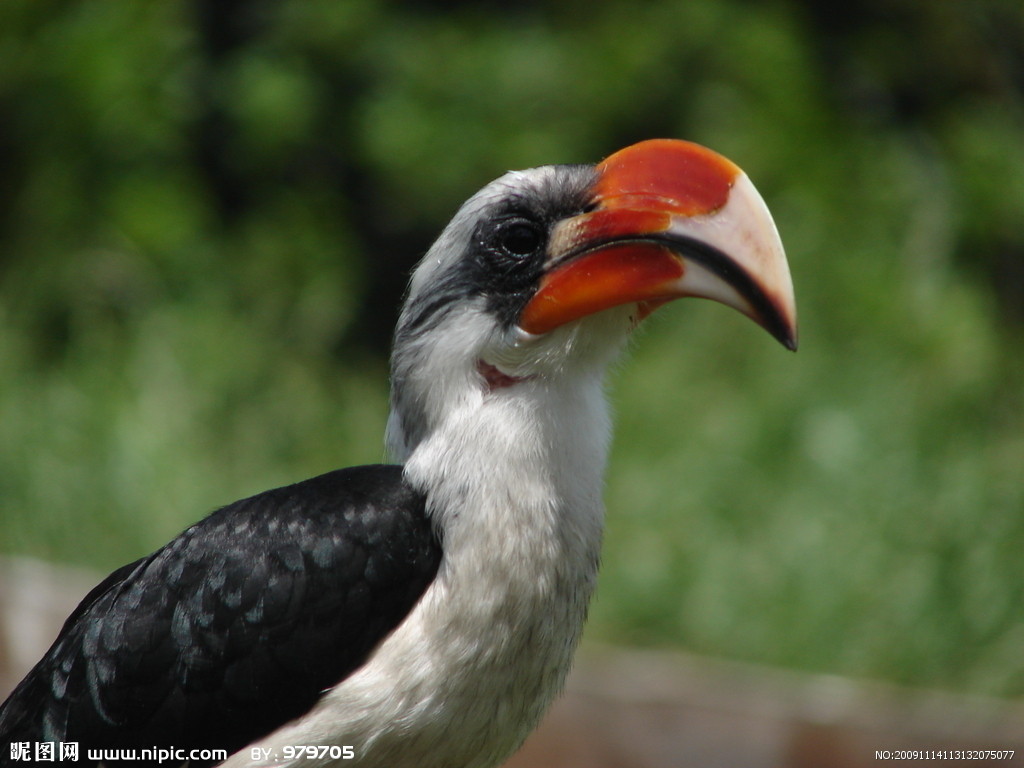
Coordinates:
208	210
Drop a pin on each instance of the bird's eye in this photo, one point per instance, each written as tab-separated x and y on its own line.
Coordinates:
520	238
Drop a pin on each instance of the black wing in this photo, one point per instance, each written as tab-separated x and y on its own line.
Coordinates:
239	624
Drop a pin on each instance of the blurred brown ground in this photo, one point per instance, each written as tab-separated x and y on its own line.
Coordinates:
643	709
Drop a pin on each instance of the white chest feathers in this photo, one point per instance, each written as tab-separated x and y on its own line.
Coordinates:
515	489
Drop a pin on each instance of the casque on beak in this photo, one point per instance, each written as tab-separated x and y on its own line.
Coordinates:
670	219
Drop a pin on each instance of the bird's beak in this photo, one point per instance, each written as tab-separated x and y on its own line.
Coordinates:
670	219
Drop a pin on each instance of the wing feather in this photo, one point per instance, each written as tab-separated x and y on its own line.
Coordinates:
239	624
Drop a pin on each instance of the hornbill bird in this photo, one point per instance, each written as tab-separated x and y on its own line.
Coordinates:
424	614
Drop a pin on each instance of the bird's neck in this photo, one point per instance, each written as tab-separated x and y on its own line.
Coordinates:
518	469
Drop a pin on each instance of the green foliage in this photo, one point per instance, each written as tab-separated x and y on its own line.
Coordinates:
204	208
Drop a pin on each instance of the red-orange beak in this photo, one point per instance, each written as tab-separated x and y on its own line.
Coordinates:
671	219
